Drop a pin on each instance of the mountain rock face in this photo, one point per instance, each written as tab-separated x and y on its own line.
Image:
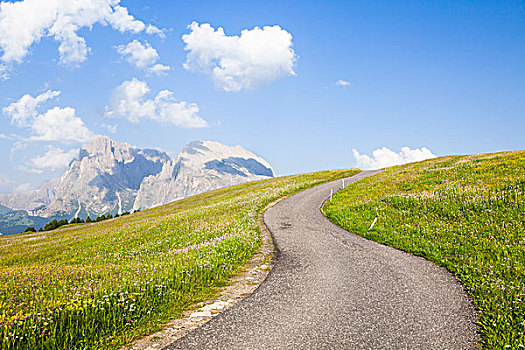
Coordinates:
201	166
30	200
105	178
113	177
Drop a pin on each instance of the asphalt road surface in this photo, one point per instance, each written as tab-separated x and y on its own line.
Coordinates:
330	289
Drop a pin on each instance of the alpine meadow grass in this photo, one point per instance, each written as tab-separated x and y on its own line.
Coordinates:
97	286
465	213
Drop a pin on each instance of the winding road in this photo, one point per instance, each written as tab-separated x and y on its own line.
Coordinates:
330	289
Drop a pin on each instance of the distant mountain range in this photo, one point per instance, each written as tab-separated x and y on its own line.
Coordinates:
114	177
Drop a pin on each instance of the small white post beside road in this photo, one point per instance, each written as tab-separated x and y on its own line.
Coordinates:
373	223
331	194
343	183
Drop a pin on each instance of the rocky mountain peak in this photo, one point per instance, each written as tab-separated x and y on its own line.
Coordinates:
195	147
205	151
104	147
201	166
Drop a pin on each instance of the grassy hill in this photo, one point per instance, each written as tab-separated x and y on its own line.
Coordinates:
466	213
98	285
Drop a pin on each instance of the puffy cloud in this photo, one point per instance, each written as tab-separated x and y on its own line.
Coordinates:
56	124
159	69
4	74
342	83
253	59
151	29
61	125
112	128
25	109
54	158
384	157
23	23
119	18
127	101
142	56
139	54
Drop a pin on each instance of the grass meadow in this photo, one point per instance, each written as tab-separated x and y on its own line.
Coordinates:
97	286
467	214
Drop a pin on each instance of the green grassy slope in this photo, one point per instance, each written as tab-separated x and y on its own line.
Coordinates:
466	213
98	285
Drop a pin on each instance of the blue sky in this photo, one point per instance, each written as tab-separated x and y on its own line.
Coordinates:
445	75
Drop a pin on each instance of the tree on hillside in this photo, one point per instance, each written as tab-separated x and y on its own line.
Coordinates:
53	224
77	220
88	219
30	229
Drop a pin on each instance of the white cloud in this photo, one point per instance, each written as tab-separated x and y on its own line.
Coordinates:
142	56
384	157
4	74
56	124
54	158
150	29
109	127
9	137
23	23
253	59
342	83
119	18
28	170
61	125
127	101
159	69
25	109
